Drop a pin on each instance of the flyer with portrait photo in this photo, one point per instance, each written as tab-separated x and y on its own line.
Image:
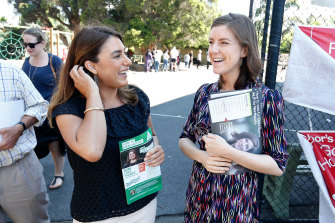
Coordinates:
237	117
139	179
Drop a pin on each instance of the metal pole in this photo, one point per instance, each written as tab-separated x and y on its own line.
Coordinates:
265	33
251	9
272	60
274	43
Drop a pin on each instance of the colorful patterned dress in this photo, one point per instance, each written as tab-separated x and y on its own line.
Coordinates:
230	198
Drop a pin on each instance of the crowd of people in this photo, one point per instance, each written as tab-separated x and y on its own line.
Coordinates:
171	60
85	107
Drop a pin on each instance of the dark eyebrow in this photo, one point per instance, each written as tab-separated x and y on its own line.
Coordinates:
220	39
117	51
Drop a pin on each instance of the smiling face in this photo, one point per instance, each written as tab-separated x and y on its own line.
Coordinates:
113	64
244	144
132	155
38	47
225	51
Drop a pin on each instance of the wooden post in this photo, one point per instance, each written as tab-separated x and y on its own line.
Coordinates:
57	39
50	30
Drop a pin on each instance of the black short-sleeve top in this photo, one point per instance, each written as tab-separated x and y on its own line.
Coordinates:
98	186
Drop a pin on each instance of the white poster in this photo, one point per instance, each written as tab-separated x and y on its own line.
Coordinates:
310	79
325	3
318	147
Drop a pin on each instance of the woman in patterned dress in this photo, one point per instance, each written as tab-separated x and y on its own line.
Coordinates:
212	196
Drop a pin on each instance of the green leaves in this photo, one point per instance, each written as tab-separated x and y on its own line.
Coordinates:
144	23
171	22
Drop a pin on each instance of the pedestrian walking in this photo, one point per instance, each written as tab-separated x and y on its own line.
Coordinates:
43	69
186	60
158	58
165	60
174	55
199	58
191	59
148	61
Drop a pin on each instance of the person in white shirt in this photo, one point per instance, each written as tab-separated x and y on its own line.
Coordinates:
174	54
158	58
199	58
165	60
25	186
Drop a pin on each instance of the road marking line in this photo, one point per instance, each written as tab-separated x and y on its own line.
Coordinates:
172	116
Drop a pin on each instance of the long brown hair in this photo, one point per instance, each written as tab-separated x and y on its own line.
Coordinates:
86	45
245	33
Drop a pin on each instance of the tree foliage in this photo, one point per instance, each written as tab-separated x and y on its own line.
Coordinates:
2	20
144	23
166	23
51	13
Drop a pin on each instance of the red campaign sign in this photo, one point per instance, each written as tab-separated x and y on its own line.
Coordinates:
325	37
324	151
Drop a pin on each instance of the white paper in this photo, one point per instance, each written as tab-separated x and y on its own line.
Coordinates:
230	108
10	113
326	209
310	79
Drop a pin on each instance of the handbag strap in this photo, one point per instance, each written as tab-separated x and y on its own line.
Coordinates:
52	68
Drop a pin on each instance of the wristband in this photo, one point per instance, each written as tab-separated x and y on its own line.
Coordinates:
92	109
23	125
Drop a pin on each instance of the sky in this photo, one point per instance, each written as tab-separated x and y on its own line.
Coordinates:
235	6
7	11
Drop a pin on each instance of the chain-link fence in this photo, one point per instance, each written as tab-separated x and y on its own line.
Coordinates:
293	197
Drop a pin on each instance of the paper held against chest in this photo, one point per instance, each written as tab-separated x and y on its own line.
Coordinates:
10	113
230	108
